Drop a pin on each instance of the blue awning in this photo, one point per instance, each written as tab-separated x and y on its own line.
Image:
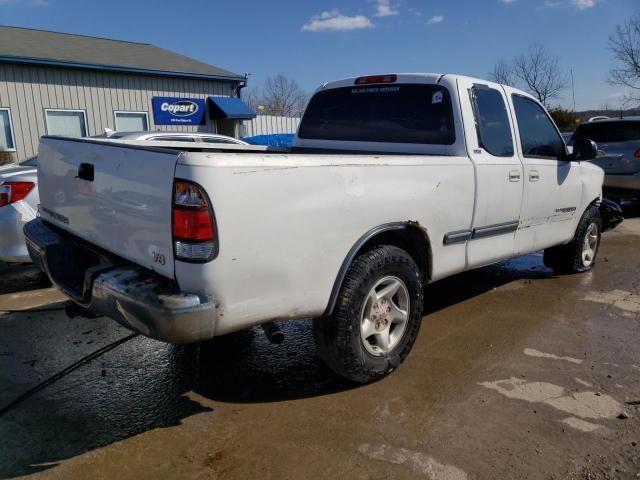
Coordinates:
232	108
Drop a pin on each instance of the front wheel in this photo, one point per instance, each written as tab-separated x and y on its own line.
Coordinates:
376	318
579	255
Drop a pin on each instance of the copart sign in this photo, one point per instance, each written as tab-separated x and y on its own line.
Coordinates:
178	111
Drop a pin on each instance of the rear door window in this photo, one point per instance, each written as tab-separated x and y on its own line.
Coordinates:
492	121
538	134
610	132
390	113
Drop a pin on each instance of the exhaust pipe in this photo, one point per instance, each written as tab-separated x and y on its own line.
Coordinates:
73	310
273	333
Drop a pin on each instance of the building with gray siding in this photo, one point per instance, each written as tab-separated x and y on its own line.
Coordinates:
65	84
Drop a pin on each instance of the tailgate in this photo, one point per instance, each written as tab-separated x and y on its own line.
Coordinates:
113	196
619	158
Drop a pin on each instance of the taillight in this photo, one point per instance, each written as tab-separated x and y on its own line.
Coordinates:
376	79
194	228
11	192
636	154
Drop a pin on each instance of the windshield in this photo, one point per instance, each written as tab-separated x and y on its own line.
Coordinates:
30	162
381	113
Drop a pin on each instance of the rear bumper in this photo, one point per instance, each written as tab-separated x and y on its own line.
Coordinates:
13	217
629	183
104	285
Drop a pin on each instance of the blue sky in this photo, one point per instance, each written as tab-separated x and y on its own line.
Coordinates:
321	40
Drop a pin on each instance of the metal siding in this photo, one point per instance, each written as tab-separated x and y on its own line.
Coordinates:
22	87
103	96
36	101
16	116
269	124
29	89
4	97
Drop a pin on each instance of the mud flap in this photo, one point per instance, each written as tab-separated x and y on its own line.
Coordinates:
611	214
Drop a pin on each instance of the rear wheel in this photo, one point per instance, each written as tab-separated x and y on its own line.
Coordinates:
376	318
579	255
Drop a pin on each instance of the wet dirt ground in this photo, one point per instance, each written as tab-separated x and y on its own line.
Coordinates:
517	373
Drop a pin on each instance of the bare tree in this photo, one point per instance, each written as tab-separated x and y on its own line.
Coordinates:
625	45
502	73
540	73
284	97
253	98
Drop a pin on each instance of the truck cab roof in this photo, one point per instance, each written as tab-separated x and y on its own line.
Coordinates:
406	113
409	77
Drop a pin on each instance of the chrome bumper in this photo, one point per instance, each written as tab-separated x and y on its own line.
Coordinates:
630	183
105	285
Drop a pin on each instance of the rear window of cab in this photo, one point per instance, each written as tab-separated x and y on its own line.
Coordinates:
388	113
609	132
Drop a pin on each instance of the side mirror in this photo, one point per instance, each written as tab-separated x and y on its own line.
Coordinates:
583	149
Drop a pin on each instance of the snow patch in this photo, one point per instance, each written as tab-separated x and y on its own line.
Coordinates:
536	353
417	461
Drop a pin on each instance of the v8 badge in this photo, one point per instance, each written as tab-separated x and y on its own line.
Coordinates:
159	258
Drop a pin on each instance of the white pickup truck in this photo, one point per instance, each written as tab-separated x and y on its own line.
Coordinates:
394	181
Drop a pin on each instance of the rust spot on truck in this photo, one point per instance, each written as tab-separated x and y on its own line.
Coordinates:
270	169
415	223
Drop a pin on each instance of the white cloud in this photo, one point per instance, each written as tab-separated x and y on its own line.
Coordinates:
620	95
551	4
435	19
384	9
334	21
507	1
582	4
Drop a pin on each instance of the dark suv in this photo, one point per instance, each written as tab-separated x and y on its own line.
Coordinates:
619	145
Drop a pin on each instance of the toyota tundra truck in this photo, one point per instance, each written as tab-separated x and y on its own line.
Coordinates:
393	182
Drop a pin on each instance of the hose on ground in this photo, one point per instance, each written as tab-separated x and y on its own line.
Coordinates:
14	403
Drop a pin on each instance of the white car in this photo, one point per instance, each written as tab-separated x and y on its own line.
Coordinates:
19	200
19	190
173	137
394	181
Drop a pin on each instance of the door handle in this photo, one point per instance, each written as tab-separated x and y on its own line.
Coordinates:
85	172
514	176
534	175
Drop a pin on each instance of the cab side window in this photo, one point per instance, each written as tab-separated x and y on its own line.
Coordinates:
538	135
492	121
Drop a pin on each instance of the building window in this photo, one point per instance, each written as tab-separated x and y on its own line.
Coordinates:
131	121
69	123
7	142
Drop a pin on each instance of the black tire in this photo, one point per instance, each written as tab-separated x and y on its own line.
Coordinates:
569	258
338	337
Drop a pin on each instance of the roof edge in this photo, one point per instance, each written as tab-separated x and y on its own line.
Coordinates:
73	34
116	68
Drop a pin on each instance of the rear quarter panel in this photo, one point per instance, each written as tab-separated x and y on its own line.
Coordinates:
287	222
